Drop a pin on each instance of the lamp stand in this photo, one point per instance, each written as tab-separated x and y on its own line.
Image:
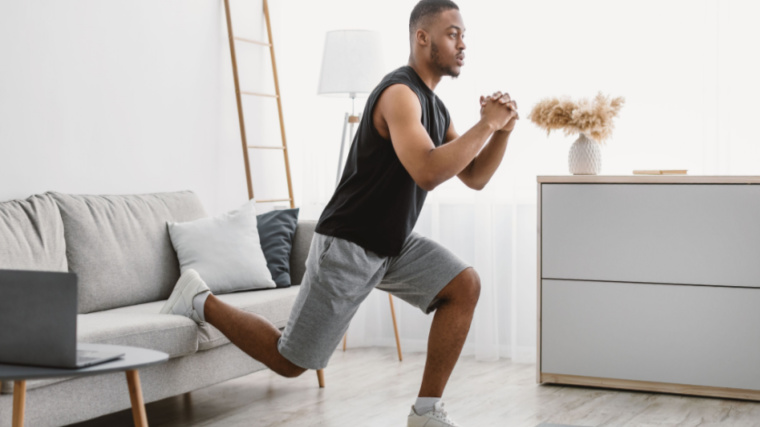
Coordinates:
348	122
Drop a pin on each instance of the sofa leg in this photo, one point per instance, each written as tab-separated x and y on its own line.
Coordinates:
321	377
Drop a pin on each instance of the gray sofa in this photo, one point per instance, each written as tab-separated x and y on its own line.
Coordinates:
120	249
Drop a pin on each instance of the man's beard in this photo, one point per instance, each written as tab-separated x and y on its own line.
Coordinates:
435	56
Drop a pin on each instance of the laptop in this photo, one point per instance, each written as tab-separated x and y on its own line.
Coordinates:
38	321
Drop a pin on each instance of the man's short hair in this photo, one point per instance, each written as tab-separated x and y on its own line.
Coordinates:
427	9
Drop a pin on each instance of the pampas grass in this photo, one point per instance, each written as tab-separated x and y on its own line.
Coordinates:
590	117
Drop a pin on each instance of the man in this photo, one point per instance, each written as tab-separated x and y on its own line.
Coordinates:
405	146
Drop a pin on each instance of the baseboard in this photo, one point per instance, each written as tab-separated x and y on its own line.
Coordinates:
521	355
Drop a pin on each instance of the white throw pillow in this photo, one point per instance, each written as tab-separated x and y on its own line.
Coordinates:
225	250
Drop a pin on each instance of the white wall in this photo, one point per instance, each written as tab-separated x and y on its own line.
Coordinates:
137	96
118	97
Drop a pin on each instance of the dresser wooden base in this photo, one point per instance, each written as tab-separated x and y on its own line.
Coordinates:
730	393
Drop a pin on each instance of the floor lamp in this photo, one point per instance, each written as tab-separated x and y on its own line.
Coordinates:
353	64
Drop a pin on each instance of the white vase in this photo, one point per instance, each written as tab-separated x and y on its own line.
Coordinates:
585	156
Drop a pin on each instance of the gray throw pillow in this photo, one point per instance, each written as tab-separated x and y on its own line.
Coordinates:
276	231
225	250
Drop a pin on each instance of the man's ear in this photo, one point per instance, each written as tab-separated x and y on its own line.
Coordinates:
422	37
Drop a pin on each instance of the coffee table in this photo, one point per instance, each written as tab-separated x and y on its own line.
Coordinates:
133	358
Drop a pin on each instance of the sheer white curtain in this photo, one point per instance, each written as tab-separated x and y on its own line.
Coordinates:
686	68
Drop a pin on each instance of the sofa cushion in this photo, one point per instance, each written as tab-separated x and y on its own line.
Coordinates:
31	235
139	326
276	231
119	245
273	304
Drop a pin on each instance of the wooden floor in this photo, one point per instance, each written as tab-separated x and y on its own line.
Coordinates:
370	387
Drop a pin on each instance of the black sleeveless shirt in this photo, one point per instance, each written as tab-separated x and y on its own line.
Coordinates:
377	203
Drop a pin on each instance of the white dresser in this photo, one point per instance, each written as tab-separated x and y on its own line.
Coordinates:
650	283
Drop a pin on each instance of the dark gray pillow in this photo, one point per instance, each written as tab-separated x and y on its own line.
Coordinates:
276	231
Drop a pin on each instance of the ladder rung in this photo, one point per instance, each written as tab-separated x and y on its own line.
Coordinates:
267	147
268	95
243	39
272	200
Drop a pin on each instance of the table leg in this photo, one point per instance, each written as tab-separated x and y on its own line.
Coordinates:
19	402
135	395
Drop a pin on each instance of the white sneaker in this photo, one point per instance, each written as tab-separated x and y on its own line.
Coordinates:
436	417
180	301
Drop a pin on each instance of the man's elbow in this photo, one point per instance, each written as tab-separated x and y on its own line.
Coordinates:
428	180
470	181
427	184
430	185
476	184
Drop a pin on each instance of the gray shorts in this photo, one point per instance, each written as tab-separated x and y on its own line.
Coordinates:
339	276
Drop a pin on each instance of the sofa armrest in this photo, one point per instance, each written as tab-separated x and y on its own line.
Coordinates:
301	244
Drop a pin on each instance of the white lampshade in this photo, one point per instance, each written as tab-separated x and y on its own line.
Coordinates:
352	62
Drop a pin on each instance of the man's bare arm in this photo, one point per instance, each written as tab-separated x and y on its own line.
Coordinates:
477	174
480	170
399	111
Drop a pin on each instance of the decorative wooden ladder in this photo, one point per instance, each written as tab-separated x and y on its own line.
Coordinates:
276	95
238	97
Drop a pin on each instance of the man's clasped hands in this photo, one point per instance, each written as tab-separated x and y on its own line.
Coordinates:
499	109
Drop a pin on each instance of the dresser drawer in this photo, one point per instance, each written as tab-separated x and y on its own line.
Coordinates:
679	334
702	234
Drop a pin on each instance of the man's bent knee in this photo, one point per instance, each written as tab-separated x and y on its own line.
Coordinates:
471	288
289	370
284	367
465	287
294	372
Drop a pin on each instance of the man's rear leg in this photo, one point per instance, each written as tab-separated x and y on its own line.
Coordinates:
252	333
